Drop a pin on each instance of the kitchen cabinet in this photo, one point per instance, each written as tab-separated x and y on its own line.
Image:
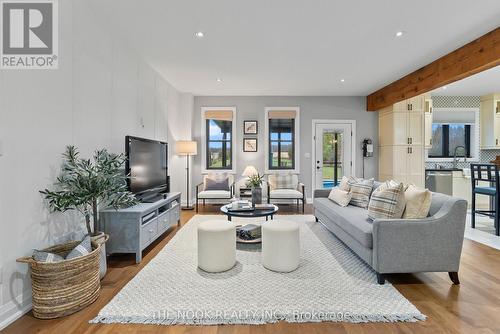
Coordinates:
402	163
398	126
490	121
428	121
462	188
401	142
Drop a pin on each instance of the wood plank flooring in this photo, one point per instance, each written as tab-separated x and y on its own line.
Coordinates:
472	307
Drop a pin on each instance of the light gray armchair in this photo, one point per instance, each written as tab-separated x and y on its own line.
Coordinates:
203	192
286	186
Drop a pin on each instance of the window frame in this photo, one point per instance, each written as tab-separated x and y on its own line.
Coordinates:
204	140
445	145
279	142
224	148
475	138
296	141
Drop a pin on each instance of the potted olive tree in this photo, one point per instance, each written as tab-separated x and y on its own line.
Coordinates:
255	183
85	185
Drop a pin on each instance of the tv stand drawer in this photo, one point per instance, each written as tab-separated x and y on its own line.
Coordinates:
149	232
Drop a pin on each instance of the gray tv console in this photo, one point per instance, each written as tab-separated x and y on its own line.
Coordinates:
135	228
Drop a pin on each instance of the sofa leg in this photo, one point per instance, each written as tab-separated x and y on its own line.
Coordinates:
380	279
454	277
317	220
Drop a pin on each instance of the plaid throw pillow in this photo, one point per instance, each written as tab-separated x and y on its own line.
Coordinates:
361	191
82	249
400	207
384	201
283	181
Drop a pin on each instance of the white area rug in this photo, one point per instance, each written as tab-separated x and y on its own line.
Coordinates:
331	284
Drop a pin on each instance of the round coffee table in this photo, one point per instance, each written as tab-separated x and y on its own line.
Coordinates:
249	214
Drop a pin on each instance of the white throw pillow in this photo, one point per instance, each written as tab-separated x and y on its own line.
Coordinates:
339	196
344	184
418	202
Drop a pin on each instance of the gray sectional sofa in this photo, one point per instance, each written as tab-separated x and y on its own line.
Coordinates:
399	245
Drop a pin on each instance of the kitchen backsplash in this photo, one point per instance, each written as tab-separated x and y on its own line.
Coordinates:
456	101
485	156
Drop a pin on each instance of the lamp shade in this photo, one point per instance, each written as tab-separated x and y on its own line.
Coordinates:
186	147
250	171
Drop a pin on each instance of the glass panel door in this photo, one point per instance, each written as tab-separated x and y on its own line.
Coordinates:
332	153
332	158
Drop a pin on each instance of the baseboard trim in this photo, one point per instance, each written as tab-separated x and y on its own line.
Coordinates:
12	311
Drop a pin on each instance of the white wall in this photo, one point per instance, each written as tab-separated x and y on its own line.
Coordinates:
311	107
101	92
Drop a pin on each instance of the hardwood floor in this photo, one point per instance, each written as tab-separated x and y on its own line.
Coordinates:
472	307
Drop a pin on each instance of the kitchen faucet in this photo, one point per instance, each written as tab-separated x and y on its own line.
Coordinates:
455	160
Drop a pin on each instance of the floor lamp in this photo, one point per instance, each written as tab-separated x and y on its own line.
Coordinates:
187	148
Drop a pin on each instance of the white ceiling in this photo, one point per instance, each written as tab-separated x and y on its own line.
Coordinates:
480	84
291	47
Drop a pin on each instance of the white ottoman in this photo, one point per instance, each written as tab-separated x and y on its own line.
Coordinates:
280	245
216	245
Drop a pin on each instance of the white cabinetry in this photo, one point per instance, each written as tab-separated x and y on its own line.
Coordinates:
401	142
490	121
428	121
462	188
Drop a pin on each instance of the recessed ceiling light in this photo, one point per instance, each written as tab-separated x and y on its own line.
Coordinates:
199	34
399	33
218	80
444	87
342	80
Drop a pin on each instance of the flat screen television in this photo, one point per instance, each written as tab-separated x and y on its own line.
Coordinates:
147	166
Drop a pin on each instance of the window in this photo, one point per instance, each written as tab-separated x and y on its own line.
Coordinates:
218	139
281	144
281	131
447	137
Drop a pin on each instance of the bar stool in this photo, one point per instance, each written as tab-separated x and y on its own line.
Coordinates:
486	173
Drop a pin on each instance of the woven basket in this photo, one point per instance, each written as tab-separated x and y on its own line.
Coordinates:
65	287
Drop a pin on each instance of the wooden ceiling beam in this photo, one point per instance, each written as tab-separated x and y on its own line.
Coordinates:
474	57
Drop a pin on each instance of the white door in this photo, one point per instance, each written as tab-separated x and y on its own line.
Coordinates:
333	153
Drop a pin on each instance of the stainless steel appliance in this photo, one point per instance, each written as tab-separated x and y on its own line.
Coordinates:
439	181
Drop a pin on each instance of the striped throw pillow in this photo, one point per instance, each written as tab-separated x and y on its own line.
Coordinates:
384	201
42	256
361	191
82	249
